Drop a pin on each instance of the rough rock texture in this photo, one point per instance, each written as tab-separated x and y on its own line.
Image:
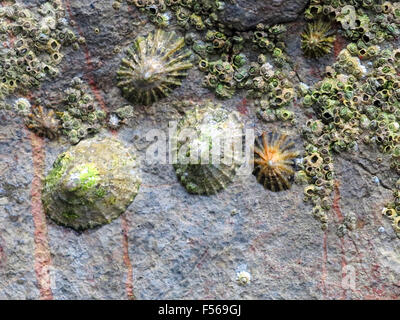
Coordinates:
173	245
246	14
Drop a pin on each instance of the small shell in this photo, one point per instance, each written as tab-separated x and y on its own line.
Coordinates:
274	161
202	128
44	124
243	278
153	67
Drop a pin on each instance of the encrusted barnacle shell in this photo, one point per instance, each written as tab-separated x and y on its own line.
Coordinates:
153	66
316	40
274	161
208	149
91	184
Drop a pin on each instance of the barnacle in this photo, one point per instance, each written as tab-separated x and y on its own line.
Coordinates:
113	122
125	112
153	66
396	225
316	40
91	184
243	278
274	161
208	149
22	106
42	123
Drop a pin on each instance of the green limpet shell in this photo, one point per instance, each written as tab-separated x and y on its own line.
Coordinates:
153	67
91	184
197	134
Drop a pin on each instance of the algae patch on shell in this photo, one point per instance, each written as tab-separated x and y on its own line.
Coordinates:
208	149
91	184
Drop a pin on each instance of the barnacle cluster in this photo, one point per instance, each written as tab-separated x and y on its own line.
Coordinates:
220	77
349	223
75	115
364	22
273	91
79	113
274	161
120	116
153	66
208	149
316	40
270	40
224	73
227	68
91	184
355	103
199	14
392	211
317	170
30	46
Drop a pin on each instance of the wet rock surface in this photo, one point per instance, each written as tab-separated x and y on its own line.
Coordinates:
170	244
246	14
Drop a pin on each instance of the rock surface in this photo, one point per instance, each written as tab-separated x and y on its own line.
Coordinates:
173	245
246	14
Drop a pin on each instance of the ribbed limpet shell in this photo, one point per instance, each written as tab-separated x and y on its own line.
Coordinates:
203	127
154	65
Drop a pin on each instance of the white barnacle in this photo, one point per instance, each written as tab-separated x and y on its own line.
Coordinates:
22	106
243	278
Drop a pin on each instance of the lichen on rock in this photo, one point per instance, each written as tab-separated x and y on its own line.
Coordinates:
91	184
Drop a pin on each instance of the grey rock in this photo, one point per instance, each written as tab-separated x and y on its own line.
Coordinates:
173	245
246	14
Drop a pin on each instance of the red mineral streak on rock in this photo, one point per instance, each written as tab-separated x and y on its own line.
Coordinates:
89	63
242	107
340	43
127	261
100	100
42	250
